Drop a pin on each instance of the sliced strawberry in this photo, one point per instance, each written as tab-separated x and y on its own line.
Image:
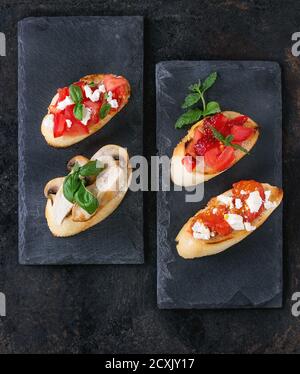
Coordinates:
241	133
239	120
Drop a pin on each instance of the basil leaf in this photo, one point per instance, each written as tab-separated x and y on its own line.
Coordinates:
86	200
92	84
71	185
104	110
209	81
211	108
78	111
191	116
91	168
75	93
191	99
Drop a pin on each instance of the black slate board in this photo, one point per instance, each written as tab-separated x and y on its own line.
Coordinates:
54	52
250	273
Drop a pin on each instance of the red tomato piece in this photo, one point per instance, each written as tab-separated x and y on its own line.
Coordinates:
59	125
239	120
77	128
63	93
247	186
95	107
189	162
218	159
241	133
215	221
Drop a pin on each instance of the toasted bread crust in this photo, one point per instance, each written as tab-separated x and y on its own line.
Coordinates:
182	177
67	140
188	247
108	204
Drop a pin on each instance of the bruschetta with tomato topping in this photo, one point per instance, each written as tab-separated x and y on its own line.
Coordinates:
91	191
228	218
222	140
83	108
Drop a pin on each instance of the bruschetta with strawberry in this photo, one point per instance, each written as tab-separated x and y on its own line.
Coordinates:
228	218
221	140
84	107
91	191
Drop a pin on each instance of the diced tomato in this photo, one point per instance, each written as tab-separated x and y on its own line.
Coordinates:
189	162
63	93
215	221
218	159
241	133
239	120
247	186
59	125
219	122
111	82
95	107
77	128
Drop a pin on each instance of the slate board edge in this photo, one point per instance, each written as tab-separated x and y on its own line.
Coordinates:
277	300
22	260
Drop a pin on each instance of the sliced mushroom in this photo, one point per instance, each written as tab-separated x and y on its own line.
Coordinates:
61	206
119	154
81	160
52	187
79	214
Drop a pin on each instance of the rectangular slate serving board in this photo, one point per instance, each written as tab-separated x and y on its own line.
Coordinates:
250	273
54	52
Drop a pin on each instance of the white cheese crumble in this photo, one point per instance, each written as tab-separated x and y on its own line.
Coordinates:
86	115
226	200
69	123
200	231
66	102
93	96
113	102
243	192
49	121
254	201
268	204
249	227
238	203
235	221
101	88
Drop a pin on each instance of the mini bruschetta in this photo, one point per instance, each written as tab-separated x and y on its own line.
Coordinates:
222	139
89	193
228	218
83	108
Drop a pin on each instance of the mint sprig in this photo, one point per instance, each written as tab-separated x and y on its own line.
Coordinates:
227	141
197	94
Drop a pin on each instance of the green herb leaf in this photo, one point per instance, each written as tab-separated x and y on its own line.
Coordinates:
75	93
191	116
211	108
228	140
91	168
71	185
195	87
78	111
85	199
92	84
190	100
209	81
104	110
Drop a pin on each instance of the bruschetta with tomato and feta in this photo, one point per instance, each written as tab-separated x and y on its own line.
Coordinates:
84	107
222	140
91	191
228	218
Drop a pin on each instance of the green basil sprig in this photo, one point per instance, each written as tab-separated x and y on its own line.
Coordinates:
227	141
197	94
74	188
104	110
76	96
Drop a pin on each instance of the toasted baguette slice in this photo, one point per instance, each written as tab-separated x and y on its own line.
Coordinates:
67	140
73	219
182	177
188	247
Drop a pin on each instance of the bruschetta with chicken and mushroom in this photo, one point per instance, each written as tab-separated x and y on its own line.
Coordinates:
228	218
222	140
83	108
91	191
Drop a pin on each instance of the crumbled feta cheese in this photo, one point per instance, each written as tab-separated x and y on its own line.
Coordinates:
238	203
226	200
101	88
235	221
268	204
200	231
86	115
243	192
113	102
69	123
254	201
66	102
93	96
249	227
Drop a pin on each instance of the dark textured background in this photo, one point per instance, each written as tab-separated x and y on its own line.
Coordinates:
113	309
